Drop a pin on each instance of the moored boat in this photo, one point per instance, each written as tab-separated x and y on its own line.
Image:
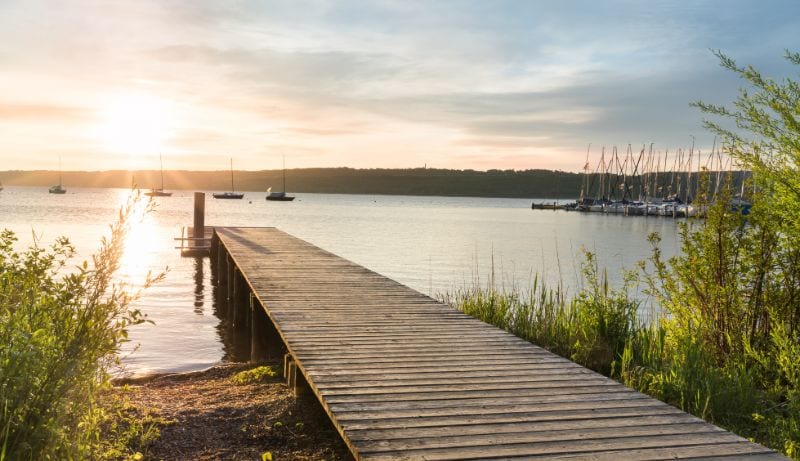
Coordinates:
229	195
280	196
160	191
58	188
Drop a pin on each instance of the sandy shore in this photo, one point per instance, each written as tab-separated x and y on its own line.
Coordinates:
213	418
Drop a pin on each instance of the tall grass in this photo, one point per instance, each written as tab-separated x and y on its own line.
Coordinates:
60	330
592	328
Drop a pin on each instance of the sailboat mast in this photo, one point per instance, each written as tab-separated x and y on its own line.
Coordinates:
284	173
689	175
232	189
59	171
161	163
585	183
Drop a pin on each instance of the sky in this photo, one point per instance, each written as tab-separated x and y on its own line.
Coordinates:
369	84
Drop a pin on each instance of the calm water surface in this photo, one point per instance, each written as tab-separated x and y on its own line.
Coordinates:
432	244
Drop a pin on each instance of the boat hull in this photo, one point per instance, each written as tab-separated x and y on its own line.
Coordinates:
280	199
228	196
158	193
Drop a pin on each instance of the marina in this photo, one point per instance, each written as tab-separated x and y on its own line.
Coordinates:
654	184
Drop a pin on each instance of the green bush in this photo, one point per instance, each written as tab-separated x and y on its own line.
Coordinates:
255	375
61	328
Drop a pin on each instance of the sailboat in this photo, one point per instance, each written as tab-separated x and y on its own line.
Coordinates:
160	191
232	194
58	188
280	196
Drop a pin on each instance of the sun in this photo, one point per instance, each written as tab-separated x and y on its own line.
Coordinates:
136	125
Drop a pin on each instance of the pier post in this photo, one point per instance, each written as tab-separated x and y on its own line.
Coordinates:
222	267
295	380
213	251
265	341
199	215
242	304
233	298
258	343
230	278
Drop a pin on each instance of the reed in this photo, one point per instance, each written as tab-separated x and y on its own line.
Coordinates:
592	328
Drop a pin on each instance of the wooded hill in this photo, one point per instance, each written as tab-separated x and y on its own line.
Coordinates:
417	181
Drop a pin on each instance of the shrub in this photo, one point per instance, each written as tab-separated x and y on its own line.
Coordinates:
255	375
61	328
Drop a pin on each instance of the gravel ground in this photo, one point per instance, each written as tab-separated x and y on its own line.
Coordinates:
215	419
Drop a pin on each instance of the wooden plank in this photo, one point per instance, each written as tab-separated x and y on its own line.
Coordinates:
403	376
633	435
472	403
504	396
566	387
343	370
406	356
503	448
594	413
479	376
743	451
521	426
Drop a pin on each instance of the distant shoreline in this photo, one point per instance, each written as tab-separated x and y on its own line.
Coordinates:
527	184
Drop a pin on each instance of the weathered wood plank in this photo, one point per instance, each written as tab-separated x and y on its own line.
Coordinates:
599	412
547	449
743	451
521	426
635	436
477	404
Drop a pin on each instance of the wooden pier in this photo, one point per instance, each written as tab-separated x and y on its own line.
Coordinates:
403	376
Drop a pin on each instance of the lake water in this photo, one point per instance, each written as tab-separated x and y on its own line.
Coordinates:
432	244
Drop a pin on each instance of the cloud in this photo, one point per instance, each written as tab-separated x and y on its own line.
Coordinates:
14	111
333	72
447	81
321	131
